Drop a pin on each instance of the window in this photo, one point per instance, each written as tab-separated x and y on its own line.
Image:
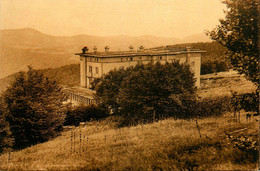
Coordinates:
131	59
97	70
90	69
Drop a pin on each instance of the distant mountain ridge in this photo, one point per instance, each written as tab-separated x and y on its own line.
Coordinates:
33	39
22	47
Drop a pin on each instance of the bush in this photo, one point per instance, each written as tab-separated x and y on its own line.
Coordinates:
212	66
250	102
247	145
221	66
208	67
77	114
207	107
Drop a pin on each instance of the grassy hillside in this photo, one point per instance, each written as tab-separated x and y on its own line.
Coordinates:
213	49
222	83
66	75
14	60
4	82
165	145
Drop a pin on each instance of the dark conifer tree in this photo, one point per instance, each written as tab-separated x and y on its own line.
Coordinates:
34	108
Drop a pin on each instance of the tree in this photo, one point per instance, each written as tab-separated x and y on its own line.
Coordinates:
34	108
239	33
153	90
107	88
5	134
146	91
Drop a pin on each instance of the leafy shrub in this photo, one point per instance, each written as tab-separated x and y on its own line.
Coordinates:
250	102
247	145
77	114
207	107
212	66
221	66
208	67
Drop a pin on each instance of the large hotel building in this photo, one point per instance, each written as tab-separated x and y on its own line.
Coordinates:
95	64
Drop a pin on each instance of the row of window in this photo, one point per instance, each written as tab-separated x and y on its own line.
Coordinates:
122	59
97	69
140	58
91	71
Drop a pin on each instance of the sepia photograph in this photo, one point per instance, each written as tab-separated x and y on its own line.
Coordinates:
129	85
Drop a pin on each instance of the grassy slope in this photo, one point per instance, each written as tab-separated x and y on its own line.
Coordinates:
222	83
214	50
15	59
168	144
65	75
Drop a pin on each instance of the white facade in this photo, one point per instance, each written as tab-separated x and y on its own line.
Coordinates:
96	64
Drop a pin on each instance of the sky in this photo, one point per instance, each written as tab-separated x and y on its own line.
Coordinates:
165	18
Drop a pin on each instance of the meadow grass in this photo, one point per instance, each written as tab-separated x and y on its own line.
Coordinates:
164	145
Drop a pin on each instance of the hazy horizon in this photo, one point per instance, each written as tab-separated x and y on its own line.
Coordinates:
162	18
99	35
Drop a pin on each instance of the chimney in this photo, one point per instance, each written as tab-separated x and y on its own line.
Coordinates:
141	48
188	48
84	50
131	48
95	49
106	49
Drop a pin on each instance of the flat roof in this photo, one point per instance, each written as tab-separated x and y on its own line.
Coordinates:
137	53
